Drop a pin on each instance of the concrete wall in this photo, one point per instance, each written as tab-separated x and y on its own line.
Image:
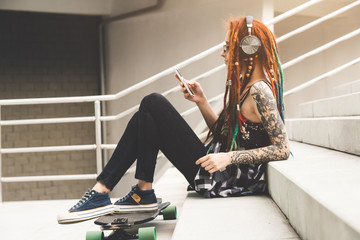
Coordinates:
320	63
86	7
125	6
47	55
89	7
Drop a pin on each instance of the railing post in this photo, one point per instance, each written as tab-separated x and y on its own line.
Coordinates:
1	197
98	137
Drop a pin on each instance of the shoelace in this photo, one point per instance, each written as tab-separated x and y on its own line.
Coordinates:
84	198
126	196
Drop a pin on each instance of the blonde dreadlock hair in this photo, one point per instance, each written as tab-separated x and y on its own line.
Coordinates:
227	127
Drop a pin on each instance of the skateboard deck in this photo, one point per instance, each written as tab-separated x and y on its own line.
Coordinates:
119	222
128	219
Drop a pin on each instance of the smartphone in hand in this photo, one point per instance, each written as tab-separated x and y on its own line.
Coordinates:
184	82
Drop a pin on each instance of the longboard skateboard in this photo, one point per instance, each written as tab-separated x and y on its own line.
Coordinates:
119	223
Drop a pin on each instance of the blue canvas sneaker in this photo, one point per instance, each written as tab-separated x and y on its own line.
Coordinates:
93	204
137	200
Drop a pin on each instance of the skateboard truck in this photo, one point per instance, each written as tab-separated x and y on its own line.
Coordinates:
121	224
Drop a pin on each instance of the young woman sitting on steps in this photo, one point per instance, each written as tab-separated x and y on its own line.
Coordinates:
248	133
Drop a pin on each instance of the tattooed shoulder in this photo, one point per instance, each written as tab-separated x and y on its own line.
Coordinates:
274	126
263	96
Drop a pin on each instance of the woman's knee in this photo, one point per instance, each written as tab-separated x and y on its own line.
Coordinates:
153	99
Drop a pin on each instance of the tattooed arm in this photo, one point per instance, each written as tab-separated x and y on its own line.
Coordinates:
271	120
265	108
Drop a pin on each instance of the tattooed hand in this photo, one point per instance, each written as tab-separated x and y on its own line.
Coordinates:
267	111
214	162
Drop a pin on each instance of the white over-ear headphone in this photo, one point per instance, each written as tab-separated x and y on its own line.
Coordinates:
250	44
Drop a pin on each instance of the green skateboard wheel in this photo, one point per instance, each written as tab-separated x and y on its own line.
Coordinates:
148	233
169	213
95	235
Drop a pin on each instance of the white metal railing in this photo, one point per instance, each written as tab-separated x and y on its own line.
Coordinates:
46	121
321	48
50	178
292	12
98	118
317	21
322	76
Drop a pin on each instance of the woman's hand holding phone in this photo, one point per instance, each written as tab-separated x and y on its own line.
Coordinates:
195	88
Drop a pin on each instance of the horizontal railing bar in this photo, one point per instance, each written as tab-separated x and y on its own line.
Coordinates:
46	121
56	148
321	48
201	76
174	89
317	21
108	146
54	100
49	178
103	118
210	72
136	107
169	70
323	118
133	109
120	115
48	149
62	148
314	80
291	12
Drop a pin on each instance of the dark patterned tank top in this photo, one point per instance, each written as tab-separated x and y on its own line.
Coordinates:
237	180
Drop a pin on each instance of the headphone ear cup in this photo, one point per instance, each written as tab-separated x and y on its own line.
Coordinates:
250	45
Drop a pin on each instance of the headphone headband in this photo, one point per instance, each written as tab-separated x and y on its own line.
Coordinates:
249	23
250	44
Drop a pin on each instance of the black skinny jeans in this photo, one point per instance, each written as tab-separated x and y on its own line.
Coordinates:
156	126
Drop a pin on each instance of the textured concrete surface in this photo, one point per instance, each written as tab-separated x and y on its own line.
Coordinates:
250	217
345	105
340	133
346	88
318	191
38	218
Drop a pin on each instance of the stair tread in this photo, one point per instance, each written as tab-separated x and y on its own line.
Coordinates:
330	177
250	217
340	133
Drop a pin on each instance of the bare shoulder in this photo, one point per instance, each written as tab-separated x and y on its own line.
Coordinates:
260	88
262	94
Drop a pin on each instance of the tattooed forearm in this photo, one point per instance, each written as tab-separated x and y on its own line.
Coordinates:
273	124
239	157
257	156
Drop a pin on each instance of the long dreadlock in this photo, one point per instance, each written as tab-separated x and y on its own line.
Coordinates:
225	130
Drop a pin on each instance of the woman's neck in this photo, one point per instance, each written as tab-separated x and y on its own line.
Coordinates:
258	73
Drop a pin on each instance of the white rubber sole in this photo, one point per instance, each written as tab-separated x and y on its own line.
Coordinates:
74	217
135	208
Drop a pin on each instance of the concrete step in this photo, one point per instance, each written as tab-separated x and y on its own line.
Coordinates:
340	133
250	218
318	191
346	88
344	105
